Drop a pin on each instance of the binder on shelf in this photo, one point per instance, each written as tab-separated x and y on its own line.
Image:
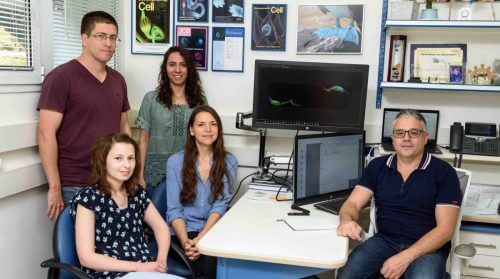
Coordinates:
311	223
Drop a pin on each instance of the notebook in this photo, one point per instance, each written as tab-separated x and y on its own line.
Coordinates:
431	118
307	223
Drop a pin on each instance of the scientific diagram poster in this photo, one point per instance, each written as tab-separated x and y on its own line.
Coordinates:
330	29
194	39
228	11
192	10
227	49
152	23
269	27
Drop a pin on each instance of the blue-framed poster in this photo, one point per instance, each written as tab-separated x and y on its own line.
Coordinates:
227	49
229	11
152	26
192	10
269	27
195	40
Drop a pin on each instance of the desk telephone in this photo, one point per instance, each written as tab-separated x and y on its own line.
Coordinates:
477	139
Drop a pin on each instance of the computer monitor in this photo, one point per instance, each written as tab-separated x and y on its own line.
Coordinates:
326	166
431	118
309	96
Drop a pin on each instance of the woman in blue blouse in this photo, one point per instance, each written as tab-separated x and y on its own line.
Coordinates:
200	180
109	216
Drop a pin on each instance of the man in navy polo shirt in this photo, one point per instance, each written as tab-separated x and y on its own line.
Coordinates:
417	197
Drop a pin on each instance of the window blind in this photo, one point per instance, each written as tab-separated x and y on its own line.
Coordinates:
67	16
15	35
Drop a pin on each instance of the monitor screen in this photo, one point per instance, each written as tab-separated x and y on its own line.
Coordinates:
431	119
309	96
326	165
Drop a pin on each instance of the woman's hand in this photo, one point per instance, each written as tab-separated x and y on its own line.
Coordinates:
190	250
153	266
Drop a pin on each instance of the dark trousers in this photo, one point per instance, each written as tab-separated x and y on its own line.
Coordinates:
206	266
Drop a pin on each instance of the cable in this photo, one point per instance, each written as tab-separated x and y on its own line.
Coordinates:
238	189
287	170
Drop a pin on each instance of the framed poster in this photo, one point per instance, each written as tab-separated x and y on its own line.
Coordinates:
194	39
330	29
431	62
269	27
192	10
152	26
230	11
227	49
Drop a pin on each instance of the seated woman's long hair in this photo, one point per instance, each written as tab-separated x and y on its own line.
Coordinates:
100	151
218	170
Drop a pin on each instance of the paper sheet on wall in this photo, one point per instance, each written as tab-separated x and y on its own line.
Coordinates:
482	200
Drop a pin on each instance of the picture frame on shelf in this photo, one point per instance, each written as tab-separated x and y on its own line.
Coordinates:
431	62
397	58
456	74
152	26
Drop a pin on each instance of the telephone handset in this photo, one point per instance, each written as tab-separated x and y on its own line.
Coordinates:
456	137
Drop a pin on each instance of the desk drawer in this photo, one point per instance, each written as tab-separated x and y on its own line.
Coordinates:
484	266
485	244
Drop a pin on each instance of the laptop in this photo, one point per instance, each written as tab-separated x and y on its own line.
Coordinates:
326	168
431	118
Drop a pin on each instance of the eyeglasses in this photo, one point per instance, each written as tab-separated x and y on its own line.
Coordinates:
413	133
103	37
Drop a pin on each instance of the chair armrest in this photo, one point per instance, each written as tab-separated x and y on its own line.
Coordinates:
179	251
465	251
53	263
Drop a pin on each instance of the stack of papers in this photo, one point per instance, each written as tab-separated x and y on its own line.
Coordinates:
306	223
267	186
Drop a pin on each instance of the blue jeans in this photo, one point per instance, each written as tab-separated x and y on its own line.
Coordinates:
367	260
68	192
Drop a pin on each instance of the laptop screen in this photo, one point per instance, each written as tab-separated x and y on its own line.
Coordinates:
431	118
326	166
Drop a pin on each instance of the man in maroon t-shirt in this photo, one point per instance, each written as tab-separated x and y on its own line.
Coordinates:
81	101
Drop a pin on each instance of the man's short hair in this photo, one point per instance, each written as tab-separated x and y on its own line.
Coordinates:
90	19
411	113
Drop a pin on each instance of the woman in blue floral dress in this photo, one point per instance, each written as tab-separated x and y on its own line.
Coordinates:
110	215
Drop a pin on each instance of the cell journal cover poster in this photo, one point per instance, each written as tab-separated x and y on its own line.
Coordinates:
269	27
192	10
228	11
151	26
194	39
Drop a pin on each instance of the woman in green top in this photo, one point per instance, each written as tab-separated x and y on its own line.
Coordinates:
165	112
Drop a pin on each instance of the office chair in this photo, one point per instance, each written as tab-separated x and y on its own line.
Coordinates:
65	264
175	267
458	252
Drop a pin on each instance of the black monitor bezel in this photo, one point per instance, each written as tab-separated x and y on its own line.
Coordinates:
326	196
389	139
359	126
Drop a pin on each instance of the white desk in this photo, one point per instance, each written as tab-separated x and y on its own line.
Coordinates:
251	243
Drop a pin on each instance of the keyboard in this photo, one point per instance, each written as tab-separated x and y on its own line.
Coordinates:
332	206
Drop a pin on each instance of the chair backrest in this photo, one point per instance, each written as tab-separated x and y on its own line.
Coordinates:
464	176
159	198
63	244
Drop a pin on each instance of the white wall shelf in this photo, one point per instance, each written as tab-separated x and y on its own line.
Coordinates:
474	24
440	87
